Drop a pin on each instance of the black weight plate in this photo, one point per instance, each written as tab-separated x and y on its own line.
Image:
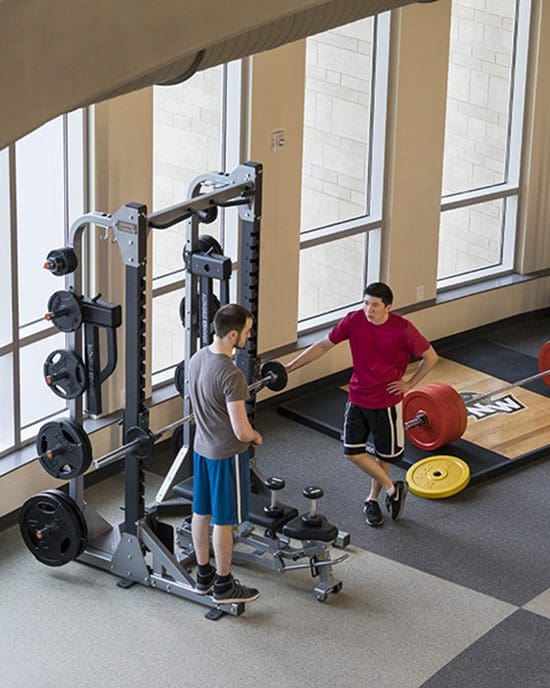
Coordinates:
53	528
176	441
83	527
61	261
66	374
209	244
213	306
64	311
279	371
179	377
64	449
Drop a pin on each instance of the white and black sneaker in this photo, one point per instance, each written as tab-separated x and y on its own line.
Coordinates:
396	502
235	593
373	513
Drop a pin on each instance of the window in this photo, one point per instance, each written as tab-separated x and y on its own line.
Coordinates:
42	192
343	152
485	101
195	131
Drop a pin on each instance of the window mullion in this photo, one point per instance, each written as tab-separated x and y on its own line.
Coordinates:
15	300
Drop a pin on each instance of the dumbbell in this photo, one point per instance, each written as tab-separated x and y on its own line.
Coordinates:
312	518
274	509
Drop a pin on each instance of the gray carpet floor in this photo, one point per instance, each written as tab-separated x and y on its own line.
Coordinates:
493	537
456	593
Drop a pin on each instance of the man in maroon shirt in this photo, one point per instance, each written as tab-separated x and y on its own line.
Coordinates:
382	344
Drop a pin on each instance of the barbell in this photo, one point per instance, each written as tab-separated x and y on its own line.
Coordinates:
65	452
436	414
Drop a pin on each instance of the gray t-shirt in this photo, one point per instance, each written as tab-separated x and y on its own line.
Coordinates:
214	380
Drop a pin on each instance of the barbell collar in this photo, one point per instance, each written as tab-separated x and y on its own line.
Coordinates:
420	419
256	386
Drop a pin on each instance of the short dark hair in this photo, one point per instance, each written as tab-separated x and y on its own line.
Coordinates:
381	290
230	317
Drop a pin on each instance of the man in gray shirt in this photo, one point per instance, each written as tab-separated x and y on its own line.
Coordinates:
223	434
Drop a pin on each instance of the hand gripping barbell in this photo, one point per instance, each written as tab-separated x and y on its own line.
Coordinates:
435	415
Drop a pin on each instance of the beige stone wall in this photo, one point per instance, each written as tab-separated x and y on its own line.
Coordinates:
335	154
336	124
186	142
478	103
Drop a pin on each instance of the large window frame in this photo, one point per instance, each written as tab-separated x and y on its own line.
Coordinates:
371	223
75	127
508	190
230	154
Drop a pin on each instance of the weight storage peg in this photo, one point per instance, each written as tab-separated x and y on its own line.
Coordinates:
64	311
64	449
61	261
53	527
65	374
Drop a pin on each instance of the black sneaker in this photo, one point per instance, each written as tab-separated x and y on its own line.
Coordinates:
374	515
205	584
396	502
236	593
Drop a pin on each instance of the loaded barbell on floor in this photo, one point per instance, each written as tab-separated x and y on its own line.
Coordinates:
436	414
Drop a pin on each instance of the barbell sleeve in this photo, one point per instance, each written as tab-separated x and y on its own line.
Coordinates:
255	386
420	419
505	388
116	454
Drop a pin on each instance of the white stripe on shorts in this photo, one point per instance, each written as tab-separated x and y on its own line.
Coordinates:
397	431
238	488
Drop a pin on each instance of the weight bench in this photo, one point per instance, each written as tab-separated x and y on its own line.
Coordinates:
288	538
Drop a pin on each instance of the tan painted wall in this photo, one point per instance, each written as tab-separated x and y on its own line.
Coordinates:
417	98
123	169
278	104
534	218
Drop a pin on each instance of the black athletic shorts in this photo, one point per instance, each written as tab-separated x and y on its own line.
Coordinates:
386	426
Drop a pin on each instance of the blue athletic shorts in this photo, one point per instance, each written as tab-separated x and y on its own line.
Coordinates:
221	488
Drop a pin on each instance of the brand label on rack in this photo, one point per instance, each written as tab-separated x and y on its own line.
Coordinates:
127	227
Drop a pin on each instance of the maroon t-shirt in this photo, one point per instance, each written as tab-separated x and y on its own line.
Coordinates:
380	355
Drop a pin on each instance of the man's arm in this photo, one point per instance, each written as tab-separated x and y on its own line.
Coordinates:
242	428
312	353
428	360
